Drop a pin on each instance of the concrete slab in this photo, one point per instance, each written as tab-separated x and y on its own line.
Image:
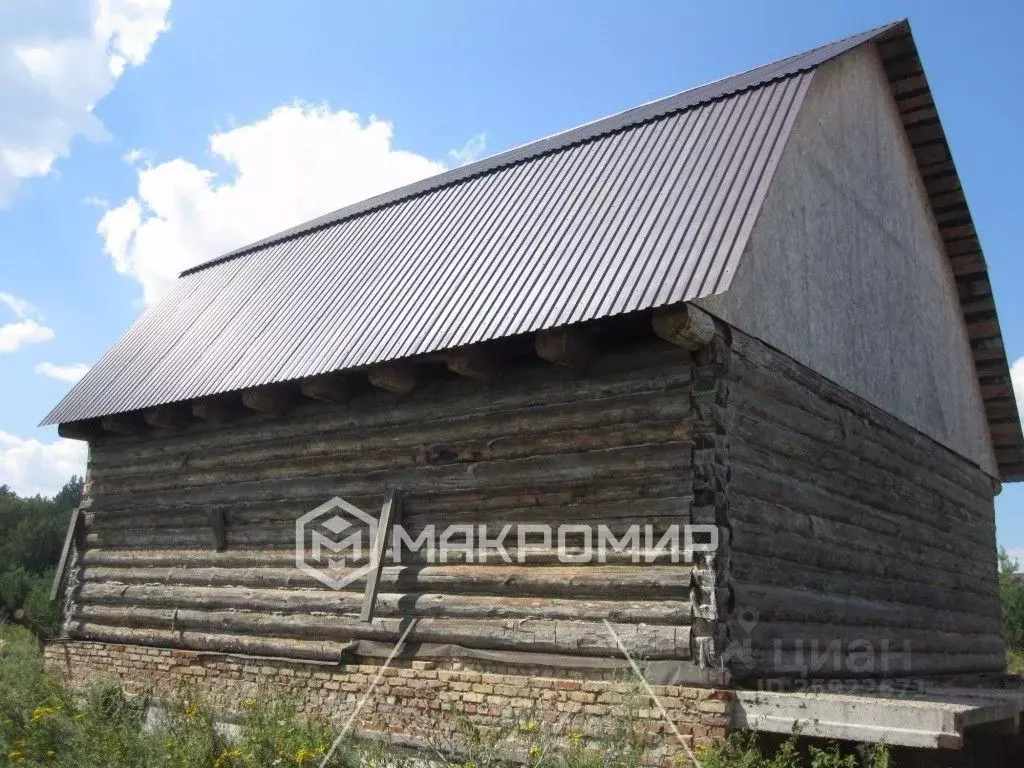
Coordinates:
933	719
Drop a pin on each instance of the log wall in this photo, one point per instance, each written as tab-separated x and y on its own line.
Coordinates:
859	547
539	444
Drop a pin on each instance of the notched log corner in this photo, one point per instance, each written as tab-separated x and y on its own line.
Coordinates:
685	326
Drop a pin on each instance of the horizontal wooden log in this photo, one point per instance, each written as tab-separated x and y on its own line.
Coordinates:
314	650
480	361
898	549
328	388
80	430
765	665
685	326
646	372
173	417
639	504
123	424
536	471
572	346
638	417
771	570
284	557
218	408
274	399
768	635
671	582
343	464
877	566
389	604
785	378
782	604
533	635
393	377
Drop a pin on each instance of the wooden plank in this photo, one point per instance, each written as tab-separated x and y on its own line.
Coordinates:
72	536
220	541
389	513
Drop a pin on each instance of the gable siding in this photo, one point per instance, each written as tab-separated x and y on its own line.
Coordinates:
845	272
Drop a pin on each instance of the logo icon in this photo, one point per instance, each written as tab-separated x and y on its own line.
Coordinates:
333	543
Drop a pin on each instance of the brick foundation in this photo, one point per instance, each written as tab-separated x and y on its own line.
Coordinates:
412	699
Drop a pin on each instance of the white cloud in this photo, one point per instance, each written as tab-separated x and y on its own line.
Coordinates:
297	163
29	466
25	330
469	152
1017	377
69	373
132	156
19	307
58	58
13	336
96	202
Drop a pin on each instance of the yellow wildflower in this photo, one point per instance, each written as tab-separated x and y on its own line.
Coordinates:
15	756
529	727
535	751
248	703
50	753
575	737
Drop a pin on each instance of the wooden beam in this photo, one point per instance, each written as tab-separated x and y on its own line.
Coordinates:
79	430
219	529
390	513
71	538
272	398
394	377
123	424
572	347
217	408
480	362
328	388
174	416
686	326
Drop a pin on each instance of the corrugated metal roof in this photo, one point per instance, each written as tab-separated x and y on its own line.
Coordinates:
648	207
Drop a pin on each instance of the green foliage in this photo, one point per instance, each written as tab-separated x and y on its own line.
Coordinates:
31	536
1011	593
43	723
743	750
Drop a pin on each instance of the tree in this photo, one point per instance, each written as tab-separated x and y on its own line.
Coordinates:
1011	593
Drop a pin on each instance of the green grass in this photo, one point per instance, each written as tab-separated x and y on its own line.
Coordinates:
1014	662
44	723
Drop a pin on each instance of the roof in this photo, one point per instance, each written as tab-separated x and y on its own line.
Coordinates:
649	207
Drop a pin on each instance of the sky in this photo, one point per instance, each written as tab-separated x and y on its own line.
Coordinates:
139	137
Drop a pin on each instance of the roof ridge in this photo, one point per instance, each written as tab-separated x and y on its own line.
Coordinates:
633	116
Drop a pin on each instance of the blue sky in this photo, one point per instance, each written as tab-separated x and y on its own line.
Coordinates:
154	134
